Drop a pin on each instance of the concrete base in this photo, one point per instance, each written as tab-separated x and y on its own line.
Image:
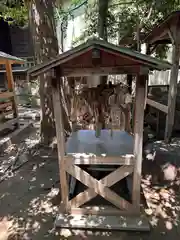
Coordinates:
94	222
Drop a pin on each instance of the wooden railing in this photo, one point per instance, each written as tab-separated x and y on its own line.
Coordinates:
157	105
29	62
6	95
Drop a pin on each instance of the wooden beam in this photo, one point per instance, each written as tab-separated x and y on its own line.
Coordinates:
57	103
146	93
173	84
157	124
6	95
82	198
98	187
84	159
138	138
157	105
171	36
2	61
117	175
161	30
93	221
96	210
160	36
100	71
11	87
140	62
109	181
9	76
67	56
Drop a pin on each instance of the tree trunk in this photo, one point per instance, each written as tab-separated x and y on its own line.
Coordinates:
102	19
46	48
102	26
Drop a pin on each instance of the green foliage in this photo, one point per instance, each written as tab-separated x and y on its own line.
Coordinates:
14	11
64	15
161	51
91	16
145	14
126	16
76	2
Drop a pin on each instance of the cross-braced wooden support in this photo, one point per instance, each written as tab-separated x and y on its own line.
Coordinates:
99	187
128	164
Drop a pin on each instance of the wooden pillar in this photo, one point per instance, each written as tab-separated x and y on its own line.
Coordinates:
57	103
11	87
138	139
175	36
157	123
129	82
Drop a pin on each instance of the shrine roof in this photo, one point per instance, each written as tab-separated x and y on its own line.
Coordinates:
110	56
159	34
4	57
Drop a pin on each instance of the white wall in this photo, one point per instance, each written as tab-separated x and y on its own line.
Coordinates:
162	77
75	26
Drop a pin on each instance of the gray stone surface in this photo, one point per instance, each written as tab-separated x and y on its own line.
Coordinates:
102	222
85	141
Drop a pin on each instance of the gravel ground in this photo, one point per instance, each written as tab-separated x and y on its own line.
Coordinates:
29	202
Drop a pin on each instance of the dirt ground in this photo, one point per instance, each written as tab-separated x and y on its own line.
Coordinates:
29	203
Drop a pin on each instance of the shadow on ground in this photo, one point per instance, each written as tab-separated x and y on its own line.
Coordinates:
29	203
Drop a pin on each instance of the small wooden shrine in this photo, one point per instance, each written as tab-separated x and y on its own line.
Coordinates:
167	32
8	104
121	151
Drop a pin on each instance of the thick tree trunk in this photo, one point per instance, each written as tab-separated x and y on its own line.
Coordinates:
102	19
46	47
102	26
